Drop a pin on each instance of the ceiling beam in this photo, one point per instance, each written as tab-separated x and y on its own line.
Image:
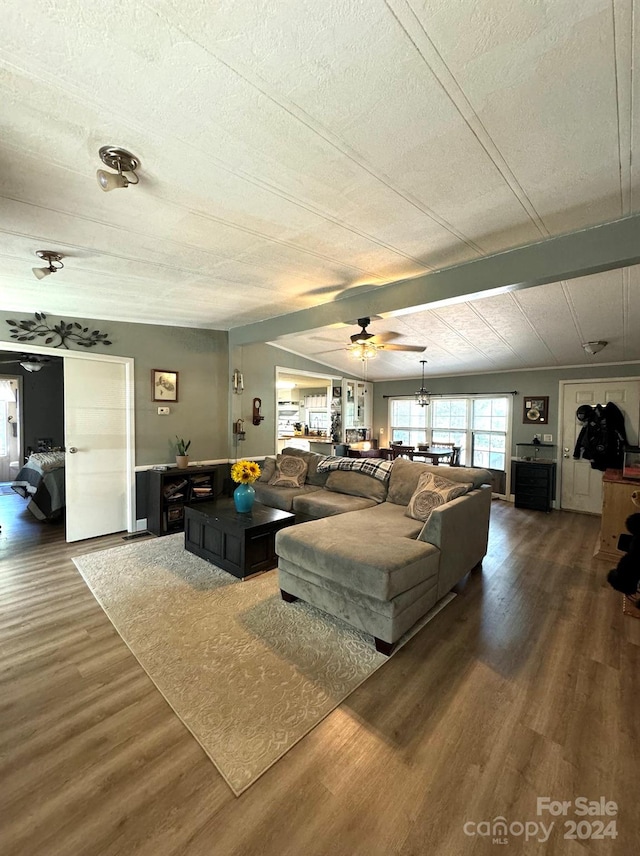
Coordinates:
588	251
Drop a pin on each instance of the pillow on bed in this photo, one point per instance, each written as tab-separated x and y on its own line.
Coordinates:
47	460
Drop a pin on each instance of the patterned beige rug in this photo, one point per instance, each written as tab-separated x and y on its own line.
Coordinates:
248	674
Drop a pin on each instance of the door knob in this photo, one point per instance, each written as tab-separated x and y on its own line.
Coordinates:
72	450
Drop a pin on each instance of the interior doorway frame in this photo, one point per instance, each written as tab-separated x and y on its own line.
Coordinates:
281	370
20	408
560	426
128	363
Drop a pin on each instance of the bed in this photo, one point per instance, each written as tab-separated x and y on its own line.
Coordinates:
41	481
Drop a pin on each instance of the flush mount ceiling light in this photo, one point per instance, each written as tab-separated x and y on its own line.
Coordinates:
594	347
423	396
55	263
120	160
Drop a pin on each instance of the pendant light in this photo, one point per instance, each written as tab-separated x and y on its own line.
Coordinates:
422	396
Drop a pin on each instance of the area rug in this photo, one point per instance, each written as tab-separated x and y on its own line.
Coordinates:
248	674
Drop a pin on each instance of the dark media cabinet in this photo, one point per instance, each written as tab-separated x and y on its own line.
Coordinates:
170	490
535	477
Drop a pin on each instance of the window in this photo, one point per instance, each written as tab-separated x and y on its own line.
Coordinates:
408	422
478	425
449	420
489	432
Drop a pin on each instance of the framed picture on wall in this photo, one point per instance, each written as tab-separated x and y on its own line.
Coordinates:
535	409
164	385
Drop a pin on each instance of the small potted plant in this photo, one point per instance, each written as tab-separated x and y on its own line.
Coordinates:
182	447
244	473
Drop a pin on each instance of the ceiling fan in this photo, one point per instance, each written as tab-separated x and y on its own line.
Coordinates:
30	362
365	345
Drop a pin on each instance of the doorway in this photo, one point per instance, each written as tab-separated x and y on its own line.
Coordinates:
305	413
10	429
109	476
580	485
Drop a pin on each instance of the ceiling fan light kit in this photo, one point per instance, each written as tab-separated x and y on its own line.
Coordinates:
30	362
55	263
32	365
363	351
120	160
364	348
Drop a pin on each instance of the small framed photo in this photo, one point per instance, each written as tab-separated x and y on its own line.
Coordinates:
164	385
337	392
536	409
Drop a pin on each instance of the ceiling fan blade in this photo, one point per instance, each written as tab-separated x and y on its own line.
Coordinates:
382	338
418	349
24	358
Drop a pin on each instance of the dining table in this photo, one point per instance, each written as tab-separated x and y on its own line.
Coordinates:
435	454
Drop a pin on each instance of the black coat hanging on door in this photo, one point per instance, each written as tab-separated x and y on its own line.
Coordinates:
603	437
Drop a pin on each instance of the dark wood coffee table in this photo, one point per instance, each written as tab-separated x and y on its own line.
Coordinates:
243	544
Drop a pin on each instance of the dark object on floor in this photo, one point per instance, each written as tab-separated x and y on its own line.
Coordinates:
626	576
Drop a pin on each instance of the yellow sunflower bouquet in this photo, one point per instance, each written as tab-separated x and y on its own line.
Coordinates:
245	472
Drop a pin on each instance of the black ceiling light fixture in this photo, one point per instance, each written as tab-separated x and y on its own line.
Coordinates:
120	160
423	396
55	263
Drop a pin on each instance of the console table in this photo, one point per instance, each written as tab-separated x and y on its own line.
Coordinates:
617	505
242	544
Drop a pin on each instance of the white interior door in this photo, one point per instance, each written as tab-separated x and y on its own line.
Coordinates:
96	478
582	485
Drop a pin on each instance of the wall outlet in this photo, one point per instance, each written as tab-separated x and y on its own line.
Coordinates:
163	411
548	438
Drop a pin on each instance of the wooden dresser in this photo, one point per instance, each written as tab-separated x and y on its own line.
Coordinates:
616	507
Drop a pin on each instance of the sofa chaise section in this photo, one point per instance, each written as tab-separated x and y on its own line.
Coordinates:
380	570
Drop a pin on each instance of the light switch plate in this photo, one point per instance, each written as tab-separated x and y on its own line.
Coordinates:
548	438
163	411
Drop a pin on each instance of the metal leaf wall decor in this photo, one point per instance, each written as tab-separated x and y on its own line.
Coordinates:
57	335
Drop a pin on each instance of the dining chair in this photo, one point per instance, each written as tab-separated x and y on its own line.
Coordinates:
399	450
454	460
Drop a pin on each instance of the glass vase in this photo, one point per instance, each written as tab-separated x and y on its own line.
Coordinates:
244	497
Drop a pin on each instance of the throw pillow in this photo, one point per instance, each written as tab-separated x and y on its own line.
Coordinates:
356	484
290	471
432	491
268	467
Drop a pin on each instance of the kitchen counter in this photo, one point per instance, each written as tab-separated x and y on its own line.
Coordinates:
312	438
321	445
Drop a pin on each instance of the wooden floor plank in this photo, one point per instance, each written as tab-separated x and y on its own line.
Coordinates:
526	685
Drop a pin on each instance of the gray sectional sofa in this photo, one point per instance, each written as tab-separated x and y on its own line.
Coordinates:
322	494
360	557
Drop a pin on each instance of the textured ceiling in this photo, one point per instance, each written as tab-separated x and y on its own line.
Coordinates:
292	150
